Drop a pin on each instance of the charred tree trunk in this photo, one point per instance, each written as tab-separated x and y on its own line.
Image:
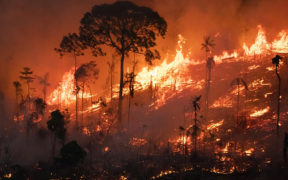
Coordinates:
111	83
121	88
82	109
238	99
195	133
278	100
76	92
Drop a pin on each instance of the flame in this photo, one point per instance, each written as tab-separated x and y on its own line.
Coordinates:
249	151
225	101
226	150
137	142
106	149
215	125
260	46
260	112
225	55
281	45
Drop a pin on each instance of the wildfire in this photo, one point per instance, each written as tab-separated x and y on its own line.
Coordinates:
215	125
249	151
260	112
281	45
137	142
175	76
225	101
260	46
225	55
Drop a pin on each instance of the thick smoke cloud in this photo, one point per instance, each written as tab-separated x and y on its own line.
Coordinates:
30	30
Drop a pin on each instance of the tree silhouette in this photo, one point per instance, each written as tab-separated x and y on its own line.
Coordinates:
72	44
18	92
57	126
40	106
194	130
26	75
207	45
209	65
130	80
44	81
238	82
276	61
111	67
72	153
86	73
124	27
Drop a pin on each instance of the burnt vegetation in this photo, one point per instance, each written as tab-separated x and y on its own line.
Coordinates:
220	117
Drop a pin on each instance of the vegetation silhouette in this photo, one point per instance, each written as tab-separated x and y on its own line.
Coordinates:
124	27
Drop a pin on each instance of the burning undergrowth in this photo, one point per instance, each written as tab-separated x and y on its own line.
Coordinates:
166	129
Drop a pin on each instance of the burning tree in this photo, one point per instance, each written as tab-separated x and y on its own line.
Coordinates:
276	61
238	82
194	131
26	75
84	74
72	44
207	45
124	27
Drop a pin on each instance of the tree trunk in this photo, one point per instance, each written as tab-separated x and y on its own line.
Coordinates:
195	135
17	107
121	88
279	99
82	113
238	99
111	83
53	145
76	92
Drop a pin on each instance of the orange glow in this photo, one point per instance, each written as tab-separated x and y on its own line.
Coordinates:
215	125
225	101
249	151
225	55
137	142
106	149
281	45
260	46
260	112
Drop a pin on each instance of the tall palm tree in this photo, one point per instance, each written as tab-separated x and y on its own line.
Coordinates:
196	107
209	65
207	45
276	61
238	82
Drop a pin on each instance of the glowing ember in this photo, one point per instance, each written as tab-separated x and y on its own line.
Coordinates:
225	101
106	149
249	151
225	150
253	67
260	112
137	141
215	125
